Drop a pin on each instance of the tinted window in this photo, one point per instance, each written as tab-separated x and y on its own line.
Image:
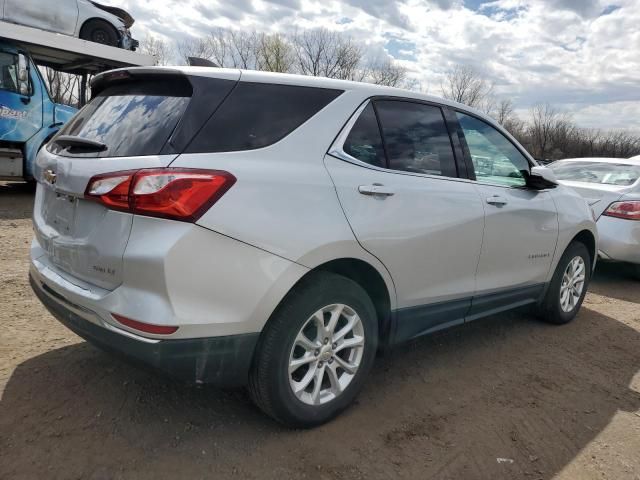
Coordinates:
364	141
416	138
130	119
256	115
597	172
8	72
495	159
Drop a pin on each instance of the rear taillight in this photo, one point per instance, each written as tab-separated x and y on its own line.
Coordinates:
629	210
175	193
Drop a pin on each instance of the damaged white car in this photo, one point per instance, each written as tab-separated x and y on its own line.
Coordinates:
78	18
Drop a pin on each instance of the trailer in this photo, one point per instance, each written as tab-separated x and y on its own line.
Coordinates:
28	115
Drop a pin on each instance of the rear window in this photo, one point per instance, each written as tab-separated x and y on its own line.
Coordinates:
130	119
256	115
597	172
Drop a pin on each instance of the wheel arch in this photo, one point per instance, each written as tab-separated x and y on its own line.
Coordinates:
98	19
588	239
369	278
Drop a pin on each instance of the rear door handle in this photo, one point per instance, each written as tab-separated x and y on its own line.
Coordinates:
497	200
376	189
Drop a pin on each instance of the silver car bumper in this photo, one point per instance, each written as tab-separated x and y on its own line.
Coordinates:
619	239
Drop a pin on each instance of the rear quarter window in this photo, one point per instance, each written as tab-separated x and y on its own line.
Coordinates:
257	115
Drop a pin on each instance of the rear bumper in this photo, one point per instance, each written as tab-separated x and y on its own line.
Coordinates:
619	239
222	361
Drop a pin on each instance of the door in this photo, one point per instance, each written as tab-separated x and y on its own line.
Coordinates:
57	16
406	206
20	115
521	224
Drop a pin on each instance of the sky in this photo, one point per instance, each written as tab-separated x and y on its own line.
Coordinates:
581	56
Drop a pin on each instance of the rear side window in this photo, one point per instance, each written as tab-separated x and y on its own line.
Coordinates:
257	115
364	141
132	118
416	138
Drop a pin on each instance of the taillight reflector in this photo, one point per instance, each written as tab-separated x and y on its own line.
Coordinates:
145	327
176	193
629	210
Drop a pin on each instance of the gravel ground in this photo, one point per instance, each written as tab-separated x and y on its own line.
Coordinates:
506	397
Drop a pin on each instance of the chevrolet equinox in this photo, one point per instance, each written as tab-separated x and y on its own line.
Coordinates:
276	231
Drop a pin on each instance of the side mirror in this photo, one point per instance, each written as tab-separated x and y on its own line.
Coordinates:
23	74
542	178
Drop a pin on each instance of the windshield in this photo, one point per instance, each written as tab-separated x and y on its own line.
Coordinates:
8	69
130	119
596	172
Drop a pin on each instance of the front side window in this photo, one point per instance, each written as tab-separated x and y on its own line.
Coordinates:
9	72
597	172
364	141
416	138
495	159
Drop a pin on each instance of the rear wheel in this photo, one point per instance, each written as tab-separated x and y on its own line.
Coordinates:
568	286
99	31
316	351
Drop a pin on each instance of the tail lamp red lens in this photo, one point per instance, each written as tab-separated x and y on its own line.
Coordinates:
145	327
629	210
175	193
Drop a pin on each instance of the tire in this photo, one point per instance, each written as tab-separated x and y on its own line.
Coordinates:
99	31
552	308
635	269
270	380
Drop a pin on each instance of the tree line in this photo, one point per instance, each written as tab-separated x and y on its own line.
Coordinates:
546	132
319	52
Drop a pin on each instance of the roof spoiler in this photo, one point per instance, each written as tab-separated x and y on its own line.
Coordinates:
105	79
201	62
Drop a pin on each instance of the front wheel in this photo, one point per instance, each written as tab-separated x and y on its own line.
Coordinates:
568	286
315	352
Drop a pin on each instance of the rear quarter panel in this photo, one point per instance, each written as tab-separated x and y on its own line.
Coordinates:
284	201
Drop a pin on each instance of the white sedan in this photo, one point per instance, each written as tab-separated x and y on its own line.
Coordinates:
612	188
78	18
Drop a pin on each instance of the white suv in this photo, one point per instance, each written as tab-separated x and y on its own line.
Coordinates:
275	231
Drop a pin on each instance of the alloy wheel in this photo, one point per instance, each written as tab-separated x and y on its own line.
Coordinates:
326	354
572	284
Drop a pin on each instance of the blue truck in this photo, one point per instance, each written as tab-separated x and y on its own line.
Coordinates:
28	115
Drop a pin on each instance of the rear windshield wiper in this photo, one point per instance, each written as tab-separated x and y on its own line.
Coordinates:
72	141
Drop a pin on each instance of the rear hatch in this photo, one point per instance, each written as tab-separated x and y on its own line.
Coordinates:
138	118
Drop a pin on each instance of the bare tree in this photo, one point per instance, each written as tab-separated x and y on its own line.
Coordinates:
200	47
158	48
387	72
465	85
274	53
320	52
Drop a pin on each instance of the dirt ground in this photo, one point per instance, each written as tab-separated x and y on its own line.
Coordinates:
507	397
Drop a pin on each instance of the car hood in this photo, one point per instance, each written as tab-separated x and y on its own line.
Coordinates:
123	15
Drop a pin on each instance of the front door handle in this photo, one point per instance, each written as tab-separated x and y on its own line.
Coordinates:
377	189
497	200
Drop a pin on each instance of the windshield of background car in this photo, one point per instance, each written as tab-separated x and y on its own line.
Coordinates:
597	172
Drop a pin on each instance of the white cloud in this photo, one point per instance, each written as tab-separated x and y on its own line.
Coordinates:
581	55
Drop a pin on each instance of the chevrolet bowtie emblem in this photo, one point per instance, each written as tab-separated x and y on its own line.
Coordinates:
50	176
